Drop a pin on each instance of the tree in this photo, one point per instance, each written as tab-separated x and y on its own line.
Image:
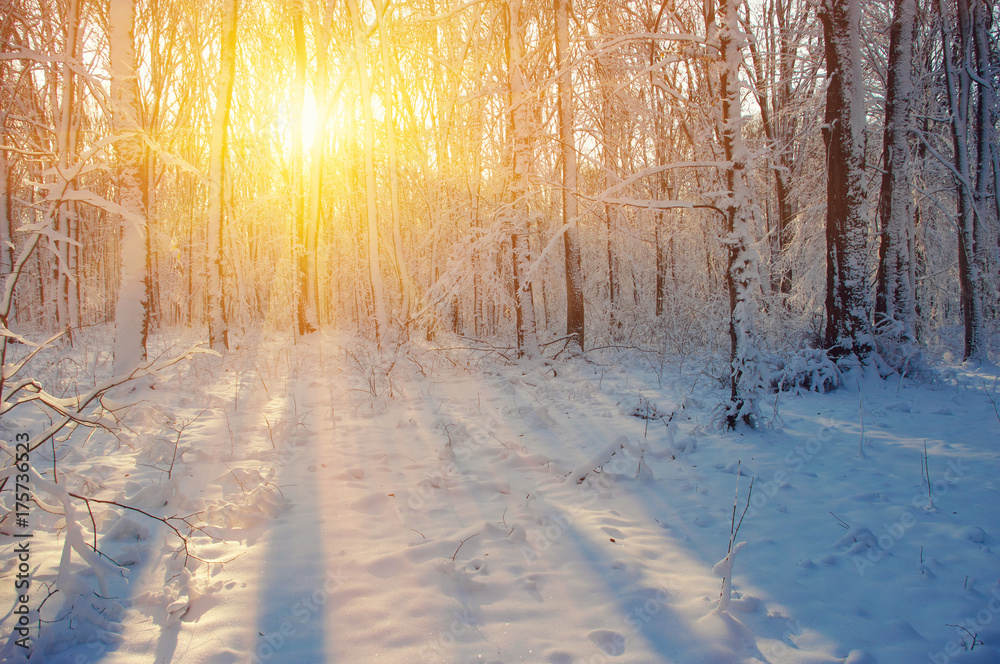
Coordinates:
895	304
847	306
305	314
570	210
405	284
520	146
746	366
218	329
132	309
371	201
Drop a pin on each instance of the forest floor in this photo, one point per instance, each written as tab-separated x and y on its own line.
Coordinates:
445	506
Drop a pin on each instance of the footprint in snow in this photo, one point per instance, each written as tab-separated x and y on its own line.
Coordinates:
610	642
613	532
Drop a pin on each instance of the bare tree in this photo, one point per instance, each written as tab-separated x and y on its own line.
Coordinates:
570	210
746	379
520	141
218	329
371	201
132	309
895	304
847	306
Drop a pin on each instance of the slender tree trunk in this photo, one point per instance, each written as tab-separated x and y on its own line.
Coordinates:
374	267
571	235
305	313
895	305
218	328
309	282
609	180
986	197
6	211
663	186
6	193
746	382
520	137
65	145
132	309
405	283
847	306
959	63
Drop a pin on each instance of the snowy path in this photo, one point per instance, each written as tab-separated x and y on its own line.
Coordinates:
440	526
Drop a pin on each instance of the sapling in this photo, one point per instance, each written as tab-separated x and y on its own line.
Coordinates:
724	567
861	416
992	396
927	478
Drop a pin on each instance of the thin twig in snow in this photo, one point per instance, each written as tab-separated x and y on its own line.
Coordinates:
460	546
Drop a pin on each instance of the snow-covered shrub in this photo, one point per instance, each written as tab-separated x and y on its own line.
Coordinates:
899	354
806	370
646	410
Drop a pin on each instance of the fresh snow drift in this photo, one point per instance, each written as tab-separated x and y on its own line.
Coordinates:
438	506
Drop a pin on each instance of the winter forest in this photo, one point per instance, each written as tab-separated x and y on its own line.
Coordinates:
493	331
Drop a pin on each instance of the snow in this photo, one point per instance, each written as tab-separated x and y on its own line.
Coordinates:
537	512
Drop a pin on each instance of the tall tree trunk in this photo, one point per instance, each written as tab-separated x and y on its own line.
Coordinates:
132	309
66	146
847	306
322	32
6	209
986	196
371	202
895	304
663	184
609	163
305	314
746	381
6	193
959	64
405	283
571	235
520	138
218	328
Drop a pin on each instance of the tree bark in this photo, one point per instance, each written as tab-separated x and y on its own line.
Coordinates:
218	328
132	309
847	306
520	138
895	304
405	283
305	314
959	63
571	235
742	277
371	202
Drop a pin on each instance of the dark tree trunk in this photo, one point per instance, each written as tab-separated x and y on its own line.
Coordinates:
847	306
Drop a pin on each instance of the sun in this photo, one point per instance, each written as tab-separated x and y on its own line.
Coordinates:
310	122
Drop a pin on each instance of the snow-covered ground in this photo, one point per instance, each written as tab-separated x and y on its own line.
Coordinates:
444	506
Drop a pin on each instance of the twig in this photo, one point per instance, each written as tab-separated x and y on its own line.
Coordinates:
460	546
974	642
177	441
164	521
734	527
927	475
843	524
